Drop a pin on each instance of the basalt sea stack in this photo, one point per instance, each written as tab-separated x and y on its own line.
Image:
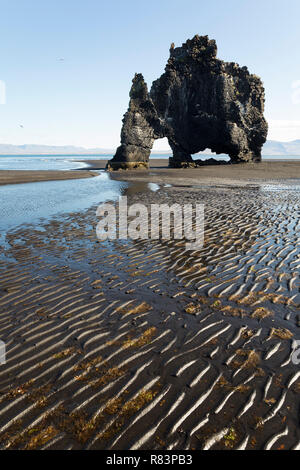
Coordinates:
199	103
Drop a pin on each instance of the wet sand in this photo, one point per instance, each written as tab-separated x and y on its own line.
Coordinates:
27	176
143	345
235	175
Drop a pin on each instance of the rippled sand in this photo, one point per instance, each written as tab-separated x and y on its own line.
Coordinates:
142	345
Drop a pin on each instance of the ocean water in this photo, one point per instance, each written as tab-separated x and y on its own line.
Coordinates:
53	162
71	162
45	162
31	202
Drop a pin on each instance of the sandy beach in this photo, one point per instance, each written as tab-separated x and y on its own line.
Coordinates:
238	175
24	176
143	345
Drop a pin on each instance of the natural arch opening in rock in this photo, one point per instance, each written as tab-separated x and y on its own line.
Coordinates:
161	147
210	158
160	153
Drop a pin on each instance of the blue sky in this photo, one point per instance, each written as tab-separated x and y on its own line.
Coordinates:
80	100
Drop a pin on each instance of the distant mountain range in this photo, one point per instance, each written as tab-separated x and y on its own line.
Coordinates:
8	149
271	147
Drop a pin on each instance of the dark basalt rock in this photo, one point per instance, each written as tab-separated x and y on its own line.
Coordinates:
199	102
